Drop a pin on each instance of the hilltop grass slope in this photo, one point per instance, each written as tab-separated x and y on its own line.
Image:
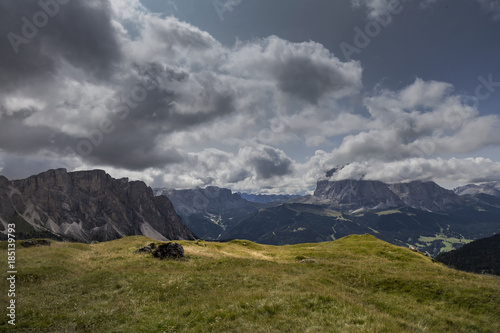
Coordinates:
354	284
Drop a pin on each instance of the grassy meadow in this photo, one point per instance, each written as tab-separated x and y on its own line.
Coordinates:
354	284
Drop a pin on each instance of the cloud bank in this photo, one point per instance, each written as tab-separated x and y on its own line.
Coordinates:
108	84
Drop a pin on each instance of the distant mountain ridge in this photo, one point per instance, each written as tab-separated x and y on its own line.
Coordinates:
491	188
209	211
421	214
268	198
91	205
86	206
211	199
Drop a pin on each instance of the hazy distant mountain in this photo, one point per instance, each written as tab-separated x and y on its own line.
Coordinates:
480	256
267	198
491	188
210	211
86	206
211	199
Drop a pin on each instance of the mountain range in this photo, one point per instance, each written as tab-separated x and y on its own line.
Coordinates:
86	206
420	214
92	206
491	188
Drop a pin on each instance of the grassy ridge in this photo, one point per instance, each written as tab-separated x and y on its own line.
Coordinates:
357	284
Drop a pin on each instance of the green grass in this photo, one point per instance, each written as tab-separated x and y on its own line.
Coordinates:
356	284
447	242
389	212
321	211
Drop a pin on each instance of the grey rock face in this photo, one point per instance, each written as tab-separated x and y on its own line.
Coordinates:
427	196
87	206
355	195
351	195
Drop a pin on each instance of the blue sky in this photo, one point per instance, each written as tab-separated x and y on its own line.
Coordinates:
256	96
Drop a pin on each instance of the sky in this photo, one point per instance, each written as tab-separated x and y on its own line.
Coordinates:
253	95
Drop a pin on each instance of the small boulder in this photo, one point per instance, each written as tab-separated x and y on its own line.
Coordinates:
308	261
169	250
146	249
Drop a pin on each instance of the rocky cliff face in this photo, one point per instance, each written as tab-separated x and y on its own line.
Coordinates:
426	196
86	206
351	195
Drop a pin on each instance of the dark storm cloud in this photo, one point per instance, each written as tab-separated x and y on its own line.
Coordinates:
19	167
272	165
221	104
40	38
307	80
91	99
306	71
147	111
236	176
33	39
267	161
16	136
